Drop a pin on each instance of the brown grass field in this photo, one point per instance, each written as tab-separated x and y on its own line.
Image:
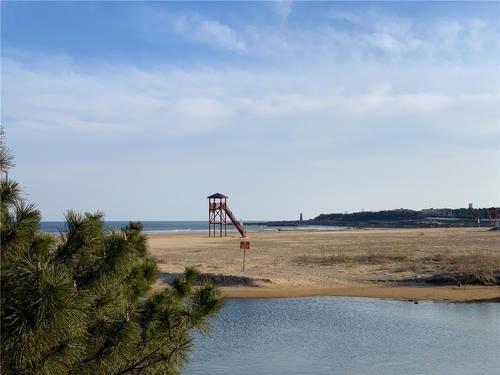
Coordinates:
463	264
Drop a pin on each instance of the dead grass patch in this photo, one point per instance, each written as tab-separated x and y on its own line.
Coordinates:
445	263
341	258
466	263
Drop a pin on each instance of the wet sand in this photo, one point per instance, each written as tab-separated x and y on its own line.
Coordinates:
286	263
430	293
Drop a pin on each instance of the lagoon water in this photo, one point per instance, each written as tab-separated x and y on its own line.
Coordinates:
331	335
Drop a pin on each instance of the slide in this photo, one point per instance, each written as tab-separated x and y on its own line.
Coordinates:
235	222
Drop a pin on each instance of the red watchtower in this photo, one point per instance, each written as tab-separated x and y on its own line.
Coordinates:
216	209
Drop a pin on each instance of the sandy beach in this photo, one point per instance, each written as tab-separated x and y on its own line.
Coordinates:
378	263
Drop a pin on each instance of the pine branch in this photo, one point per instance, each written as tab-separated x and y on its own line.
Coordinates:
76	306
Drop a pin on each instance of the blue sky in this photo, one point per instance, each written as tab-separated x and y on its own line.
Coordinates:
142	109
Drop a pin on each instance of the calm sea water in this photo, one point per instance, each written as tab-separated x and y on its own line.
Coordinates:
179	226
349	336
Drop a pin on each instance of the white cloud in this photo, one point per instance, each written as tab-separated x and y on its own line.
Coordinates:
193	28
373	32
352	17
448	31
203	30
336	99
283	8
321	82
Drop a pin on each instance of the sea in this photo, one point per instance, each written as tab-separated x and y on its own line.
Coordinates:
56	227
354	336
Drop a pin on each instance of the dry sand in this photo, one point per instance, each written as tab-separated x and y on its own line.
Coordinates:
380	263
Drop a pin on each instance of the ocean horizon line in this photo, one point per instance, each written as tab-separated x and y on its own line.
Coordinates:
176	226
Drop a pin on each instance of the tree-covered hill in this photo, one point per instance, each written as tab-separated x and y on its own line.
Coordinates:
369	215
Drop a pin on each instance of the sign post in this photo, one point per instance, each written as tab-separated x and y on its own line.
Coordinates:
244	245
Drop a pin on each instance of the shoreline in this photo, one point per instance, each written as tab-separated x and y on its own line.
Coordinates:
470	294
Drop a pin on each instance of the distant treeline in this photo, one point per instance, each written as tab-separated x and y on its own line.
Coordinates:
404	214
466	212
369	215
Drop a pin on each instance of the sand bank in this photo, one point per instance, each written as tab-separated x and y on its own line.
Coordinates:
431	293
386	263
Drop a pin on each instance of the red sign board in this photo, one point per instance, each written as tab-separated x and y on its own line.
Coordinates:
245	245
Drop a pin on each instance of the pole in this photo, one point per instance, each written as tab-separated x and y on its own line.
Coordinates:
244	253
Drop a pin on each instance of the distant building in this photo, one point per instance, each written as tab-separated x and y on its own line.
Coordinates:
301	218
470	206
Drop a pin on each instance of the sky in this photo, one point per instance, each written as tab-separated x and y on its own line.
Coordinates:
143	109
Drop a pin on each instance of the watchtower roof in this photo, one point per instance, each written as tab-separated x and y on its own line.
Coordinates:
217	195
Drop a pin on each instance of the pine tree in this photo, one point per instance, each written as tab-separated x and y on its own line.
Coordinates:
76	303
